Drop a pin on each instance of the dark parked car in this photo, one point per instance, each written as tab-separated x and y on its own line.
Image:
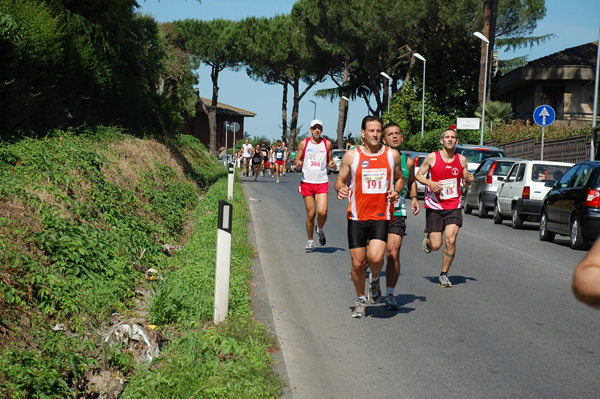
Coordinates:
481	193
572	206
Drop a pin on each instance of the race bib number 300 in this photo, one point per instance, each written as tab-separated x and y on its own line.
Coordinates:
449	189
374	181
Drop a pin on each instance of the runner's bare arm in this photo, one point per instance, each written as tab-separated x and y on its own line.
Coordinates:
330	161
399	180
467	176
340	183
427	164
299	154
586	279
412	186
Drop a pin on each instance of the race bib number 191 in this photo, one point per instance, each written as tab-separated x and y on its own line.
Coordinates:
374	181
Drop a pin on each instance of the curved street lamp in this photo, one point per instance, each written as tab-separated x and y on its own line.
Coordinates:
385	75
315	111
480	36
420	57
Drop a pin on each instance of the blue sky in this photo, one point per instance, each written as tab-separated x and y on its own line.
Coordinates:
574	22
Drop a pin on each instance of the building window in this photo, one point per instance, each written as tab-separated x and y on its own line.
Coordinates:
554	97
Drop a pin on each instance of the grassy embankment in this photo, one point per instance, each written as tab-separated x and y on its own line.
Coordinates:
84	218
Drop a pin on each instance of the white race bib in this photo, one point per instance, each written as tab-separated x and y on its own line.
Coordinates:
374	181
314	161
449	189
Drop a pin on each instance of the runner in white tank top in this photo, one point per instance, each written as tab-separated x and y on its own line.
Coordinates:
313	156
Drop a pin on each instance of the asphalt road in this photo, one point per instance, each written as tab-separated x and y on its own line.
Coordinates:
509	328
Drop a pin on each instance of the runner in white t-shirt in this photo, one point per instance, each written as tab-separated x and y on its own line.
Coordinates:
246	152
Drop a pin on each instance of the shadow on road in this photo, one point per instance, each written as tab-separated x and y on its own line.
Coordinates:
455	280
329	250
378	310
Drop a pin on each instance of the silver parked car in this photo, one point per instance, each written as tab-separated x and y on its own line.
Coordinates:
521	193
419	157
481	193
476	154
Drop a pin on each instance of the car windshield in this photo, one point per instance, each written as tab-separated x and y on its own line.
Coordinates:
502	168
544	172
338	154
479	155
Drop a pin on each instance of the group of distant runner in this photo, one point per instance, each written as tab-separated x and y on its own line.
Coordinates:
260	159
375	177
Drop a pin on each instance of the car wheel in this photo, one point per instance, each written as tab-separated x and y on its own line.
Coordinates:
466	206
482	211
497	216
545	234
517	221
577	241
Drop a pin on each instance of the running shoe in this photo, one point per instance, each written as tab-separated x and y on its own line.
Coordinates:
263	174
310	246
390	303
255	177
426	246
445	281
360	310
374	293
321	234
277	181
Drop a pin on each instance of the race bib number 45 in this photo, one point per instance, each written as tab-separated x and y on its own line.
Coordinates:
374	181
449	189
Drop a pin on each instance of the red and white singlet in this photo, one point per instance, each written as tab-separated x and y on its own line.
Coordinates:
372	178
449	176
314	166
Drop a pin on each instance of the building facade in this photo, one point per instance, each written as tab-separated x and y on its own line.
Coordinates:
563	80
226	116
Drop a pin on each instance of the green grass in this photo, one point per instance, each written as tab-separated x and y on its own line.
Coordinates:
81	213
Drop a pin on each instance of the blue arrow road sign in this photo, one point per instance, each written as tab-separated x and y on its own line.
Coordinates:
544	115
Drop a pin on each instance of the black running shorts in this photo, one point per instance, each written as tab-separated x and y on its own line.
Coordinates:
361	231
436	221
398	226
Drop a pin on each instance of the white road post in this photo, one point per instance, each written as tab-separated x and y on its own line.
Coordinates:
230	179
223	263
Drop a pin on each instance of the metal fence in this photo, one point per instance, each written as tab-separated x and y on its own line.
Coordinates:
573	149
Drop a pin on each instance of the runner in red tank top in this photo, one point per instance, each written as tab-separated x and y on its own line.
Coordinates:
443	215
373	168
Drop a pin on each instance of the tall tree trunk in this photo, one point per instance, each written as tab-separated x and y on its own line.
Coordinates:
343	110
490	14
284	113
212	114
295	109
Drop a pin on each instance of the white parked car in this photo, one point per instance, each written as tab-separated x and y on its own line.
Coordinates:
337	156
520	195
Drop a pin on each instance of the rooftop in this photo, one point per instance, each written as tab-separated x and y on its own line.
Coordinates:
224	109
584	55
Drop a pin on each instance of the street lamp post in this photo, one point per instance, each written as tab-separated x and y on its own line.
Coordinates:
385	75
315	111
420	57
487	43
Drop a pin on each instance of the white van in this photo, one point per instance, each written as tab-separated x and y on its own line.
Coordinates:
520	195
